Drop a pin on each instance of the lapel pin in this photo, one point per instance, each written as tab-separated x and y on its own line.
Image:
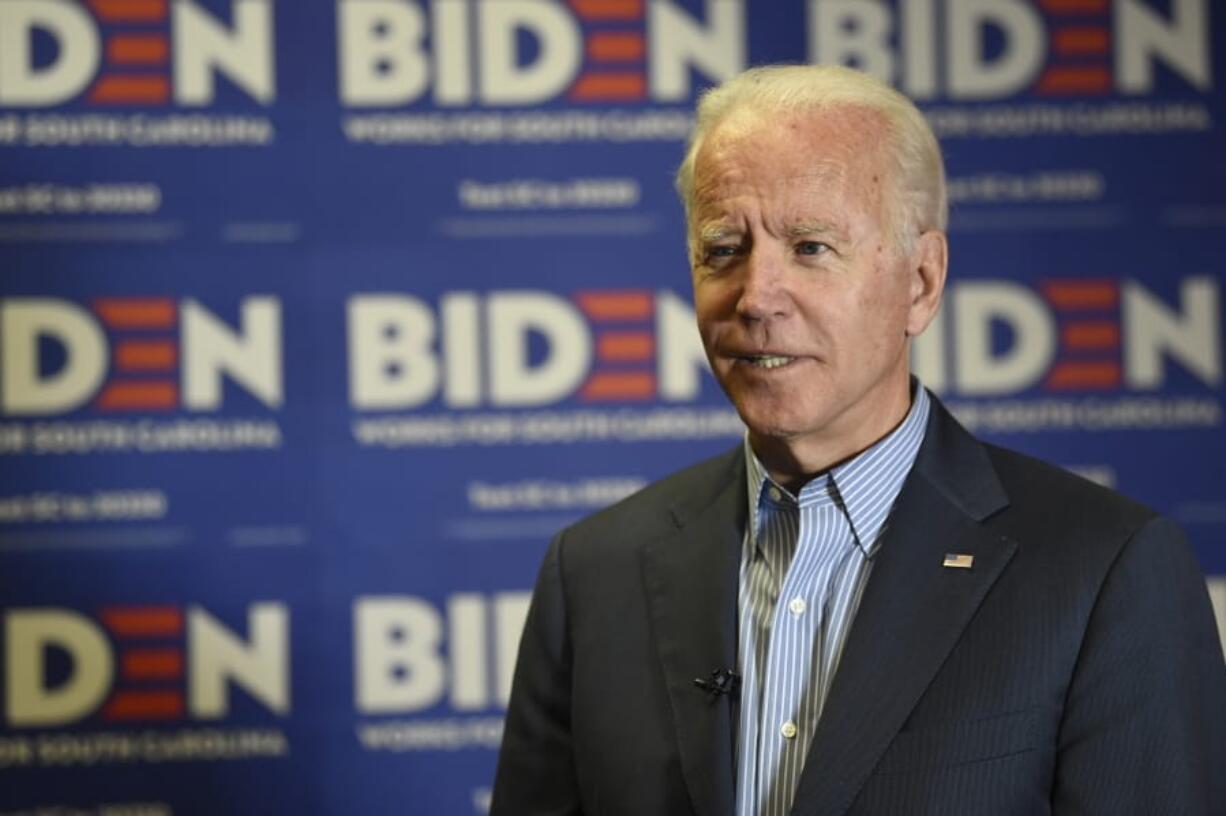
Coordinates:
958	560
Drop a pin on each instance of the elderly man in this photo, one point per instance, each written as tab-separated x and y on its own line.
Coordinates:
862	609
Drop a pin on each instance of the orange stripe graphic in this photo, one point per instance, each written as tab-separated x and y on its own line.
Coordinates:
136	313
145	49
1088	294
131	90
1079	42
610	387
152	395
623	305
615	47
1083	376
151	664
130	11
1090	335
1075	81
144	705
608	9
591	87
146	355
143	621
623	347
1073	6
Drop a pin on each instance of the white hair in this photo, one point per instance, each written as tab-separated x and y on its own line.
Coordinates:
919	202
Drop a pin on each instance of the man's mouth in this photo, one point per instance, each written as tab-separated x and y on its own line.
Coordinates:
768	360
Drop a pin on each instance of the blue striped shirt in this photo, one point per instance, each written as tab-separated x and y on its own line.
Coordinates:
805	563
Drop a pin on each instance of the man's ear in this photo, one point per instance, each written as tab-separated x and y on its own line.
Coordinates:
927	266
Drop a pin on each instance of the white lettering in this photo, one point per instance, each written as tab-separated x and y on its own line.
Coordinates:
78	52
252	356
23	388
504	79
971	74
382	62
202	47
391	364
854	33
1142	36
218	656
28	634
514	378
1192	335
679	43
977	306
397	661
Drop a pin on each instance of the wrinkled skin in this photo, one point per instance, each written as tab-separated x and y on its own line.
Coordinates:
804	301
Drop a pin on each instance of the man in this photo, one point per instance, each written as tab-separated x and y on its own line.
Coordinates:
863	609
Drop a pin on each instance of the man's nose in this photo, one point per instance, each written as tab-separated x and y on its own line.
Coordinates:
763	286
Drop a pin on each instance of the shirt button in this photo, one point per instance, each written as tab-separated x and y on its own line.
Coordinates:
788	729
774	494
797	606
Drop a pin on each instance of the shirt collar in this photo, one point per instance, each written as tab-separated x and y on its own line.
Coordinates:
863	487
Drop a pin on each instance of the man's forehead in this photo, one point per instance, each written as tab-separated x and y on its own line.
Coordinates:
799	193
773	171
826	128
797	157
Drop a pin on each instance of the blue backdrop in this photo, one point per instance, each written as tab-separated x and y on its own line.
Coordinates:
319	318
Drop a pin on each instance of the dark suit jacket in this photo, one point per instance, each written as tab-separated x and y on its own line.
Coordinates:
1075	668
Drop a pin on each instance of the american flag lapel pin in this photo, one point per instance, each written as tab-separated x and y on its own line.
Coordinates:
958	560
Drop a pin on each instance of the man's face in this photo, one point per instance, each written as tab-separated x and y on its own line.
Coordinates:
804	301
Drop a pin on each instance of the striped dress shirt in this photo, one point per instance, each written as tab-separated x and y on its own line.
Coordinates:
805	563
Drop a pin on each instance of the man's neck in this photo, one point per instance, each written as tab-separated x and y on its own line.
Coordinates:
792	462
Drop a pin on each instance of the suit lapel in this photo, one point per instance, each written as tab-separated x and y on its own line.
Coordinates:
912	613
691	582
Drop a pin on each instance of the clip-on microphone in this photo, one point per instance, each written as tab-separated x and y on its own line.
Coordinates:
723	681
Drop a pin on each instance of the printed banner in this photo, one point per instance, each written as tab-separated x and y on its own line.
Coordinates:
318	320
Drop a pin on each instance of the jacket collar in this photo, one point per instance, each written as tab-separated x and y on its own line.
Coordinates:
863	487
911	615
690	575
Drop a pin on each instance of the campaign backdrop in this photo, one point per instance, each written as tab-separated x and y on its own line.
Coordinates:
319	318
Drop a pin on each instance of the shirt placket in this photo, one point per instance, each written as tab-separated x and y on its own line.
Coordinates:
789	714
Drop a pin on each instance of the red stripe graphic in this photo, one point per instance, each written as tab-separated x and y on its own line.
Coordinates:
151	664
129	11
150	395
1074	6
610	387
146	355
624	347
608	9
1069	376
144	49
1090	335
1088	294
136	313
131	90
620	305
593	87
1081	42
144	705
143	621
609	47
1057	81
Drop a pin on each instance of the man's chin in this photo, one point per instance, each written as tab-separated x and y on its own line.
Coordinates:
769	428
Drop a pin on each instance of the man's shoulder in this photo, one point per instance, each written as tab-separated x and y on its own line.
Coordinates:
1048	495
665	503
1019	490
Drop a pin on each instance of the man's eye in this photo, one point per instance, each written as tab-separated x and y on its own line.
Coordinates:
717	256
811	248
